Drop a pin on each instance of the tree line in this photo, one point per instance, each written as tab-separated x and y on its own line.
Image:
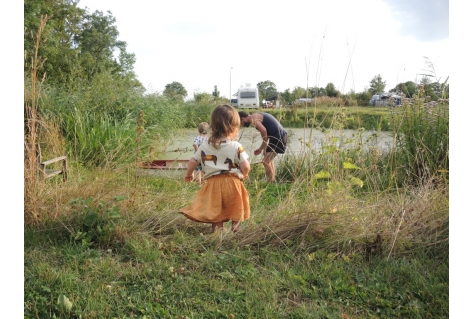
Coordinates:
80	45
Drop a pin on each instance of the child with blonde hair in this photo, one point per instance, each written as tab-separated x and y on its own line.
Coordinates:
225	165
203	128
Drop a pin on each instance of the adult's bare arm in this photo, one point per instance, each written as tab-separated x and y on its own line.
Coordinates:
263	132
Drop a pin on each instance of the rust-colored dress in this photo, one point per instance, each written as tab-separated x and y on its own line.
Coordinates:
223	197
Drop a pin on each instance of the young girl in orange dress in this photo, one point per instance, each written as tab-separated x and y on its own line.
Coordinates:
225	165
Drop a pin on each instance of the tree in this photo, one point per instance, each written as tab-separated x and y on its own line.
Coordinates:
203	97
331	90
408	88
363	98
287	97
434	90
315	91
321	92
175	91
58	49
97	43
78	45
377	85
298	92
216	93
267	90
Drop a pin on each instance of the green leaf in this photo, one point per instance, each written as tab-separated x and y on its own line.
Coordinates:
348	165
90	218
64	302
113	215
323	175
356	181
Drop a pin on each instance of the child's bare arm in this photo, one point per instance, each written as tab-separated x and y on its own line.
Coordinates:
195	147
245	168
192	164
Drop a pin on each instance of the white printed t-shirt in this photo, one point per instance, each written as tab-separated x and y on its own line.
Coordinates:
224	160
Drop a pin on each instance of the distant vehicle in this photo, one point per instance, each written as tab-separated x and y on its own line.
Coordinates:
304	100
234	103
374	99
247	97
268	105
385	99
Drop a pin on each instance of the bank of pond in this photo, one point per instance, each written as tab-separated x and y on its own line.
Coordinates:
351	118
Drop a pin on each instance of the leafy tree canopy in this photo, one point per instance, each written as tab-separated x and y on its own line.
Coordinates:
331	90
377	85
408	88
216	93
267	89
287	96
78	45
175	91
298	92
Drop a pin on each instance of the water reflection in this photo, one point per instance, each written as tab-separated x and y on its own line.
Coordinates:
299	140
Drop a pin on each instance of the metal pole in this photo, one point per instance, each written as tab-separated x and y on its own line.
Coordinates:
230	86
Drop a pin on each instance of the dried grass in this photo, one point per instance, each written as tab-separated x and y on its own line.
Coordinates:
406	219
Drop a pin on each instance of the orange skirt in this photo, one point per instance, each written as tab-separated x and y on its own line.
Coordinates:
221	198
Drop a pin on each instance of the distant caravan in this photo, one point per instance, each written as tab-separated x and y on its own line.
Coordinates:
247	97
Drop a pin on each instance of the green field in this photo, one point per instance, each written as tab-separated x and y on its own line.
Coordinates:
111	244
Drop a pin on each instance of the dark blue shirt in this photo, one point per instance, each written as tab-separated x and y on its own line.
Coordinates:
273	127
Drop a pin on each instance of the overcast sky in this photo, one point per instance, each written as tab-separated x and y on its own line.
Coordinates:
291	43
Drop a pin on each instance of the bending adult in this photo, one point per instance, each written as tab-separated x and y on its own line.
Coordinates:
274	138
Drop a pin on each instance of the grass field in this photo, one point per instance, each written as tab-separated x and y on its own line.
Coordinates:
110	246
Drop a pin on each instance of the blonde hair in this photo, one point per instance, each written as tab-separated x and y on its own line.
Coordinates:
203	128
225	121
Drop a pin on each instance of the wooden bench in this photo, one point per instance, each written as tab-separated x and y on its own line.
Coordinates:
47	173
43	165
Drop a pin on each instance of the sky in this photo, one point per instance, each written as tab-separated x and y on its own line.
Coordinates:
303	43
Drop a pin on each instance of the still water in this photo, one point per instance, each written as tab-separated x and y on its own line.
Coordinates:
299	140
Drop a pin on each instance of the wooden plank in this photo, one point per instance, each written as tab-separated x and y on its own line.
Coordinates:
54	160
52	172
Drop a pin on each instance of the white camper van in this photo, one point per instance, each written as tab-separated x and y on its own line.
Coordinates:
247	97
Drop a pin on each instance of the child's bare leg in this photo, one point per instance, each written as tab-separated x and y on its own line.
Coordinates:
235	226
217	226
201	174
198	178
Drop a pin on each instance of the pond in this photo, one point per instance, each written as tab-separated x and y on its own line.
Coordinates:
299	139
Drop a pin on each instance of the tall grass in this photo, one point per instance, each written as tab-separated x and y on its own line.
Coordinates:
422	135
98	119
32	92
99	140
